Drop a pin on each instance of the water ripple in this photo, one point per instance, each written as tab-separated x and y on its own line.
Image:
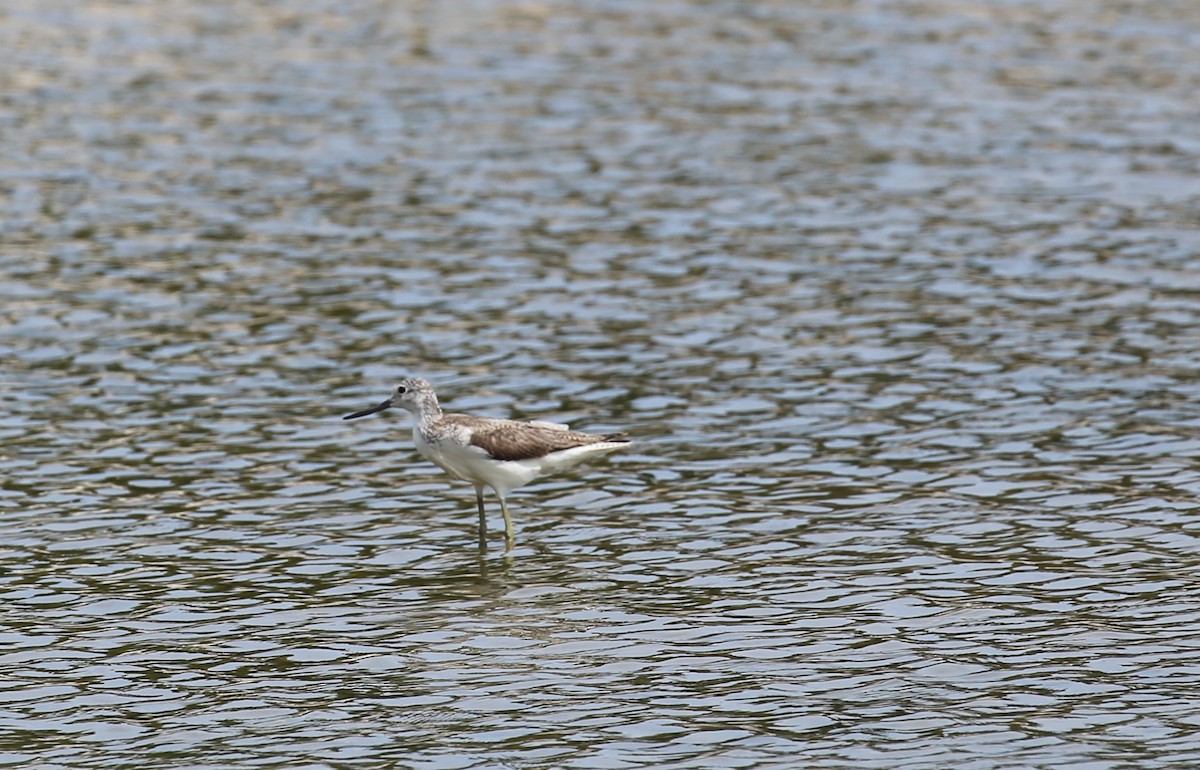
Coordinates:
896	304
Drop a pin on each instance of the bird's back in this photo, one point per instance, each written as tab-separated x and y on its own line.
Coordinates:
511	440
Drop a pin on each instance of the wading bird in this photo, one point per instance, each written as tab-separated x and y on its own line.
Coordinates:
488	452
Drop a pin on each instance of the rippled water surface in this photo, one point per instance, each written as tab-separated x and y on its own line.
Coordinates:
899	300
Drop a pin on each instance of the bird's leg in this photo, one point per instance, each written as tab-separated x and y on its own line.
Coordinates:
508	527
482	519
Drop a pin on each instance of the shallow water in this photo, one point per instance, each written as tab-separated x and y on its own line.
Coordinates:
899	301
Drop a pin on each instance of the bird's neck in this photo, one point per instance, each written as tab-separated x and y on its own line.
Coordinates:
427	412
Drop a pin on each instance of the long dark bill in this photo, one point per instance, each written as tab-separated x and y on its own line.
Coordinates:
377	408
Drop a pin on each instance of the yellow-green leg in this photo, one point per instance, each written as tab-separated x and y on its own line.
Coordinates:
508	526
482	519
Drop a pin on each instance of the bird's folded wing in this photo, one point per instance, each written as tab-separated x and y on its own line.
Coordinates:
510	440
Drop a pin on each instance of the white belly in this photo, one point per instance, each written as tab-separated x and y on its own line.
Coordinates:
470	463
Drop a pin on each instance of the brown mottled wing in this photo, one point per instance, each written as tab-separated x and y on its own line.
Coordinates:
511	440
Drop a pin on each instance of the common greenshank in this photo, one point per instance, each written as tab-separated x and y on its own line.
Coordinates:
489	452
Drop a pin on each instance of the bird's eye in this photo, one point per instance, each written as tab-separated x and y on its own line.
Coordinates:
401	389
